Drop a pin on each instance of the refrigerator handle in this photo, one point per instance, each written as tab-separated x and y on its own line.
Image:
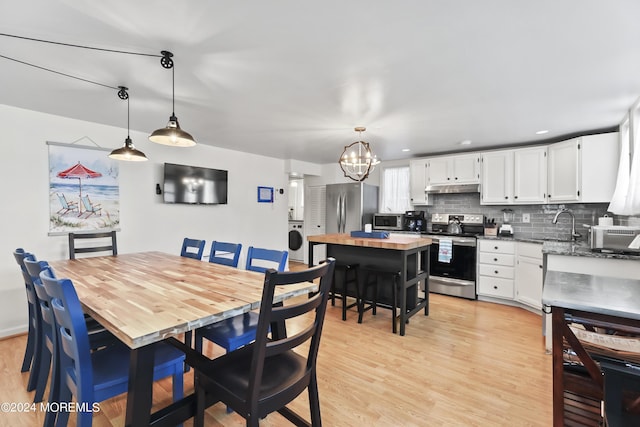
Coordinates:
339	211
344	212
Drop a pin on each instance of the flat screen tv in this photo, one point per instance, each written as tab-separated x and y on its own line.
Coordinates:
194	185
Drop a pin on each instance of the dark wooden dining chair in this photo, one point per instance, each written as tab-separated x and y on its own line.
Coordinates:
93	376
192	248
225	253
104	241
260	259
265	376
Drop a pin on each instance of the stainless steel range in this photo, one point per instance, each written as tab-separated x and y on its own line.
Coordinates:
453	253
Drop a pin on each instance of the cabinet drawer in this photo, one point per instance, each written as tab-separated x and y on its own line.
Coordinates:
497	259
496	287
533	250
497	246
497	271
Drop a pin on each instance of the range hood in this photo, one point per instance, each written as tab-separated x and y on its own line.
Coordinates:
453	188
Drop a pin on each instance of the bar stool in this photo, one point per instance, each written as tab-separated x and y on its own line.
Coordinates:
372	276
345	270
620	379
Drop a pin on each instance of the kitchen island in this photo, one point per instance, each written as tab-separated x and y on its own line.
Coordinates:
408	254
579	304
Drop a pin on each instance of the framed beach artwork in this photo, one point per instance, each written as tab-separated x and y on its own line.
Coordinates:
84	194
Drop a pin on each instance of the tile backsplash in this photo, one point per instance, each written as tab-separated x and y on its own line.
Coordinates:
540	216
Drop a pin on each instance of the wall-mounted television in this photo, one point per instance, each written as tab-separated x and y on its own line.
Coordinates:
194	185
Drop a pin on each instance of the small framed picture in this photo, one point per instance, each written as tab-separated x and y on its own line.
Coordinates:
265	194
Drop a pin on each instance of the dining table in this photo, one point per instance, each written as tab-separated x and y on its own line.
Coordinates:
147	297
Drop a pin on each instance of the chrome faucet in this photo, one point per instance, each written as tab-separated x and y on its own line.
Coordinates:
574	234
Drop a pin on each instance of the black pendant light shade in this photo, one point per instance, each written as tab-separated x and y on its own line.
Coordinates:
128	152
171	134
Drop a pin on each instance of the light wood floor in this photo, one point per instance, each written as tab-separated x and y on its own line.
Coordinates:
468	363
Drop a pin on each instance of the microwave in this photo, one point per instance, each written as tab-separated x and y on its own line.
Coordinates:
615	238
391	222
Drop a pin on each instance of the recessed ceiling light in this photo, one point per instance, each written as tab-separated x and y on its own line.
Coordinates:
406	149
542	132
465	142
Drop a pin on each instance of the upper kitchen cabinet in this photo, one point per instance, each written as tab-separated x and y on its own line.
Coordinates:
418	184
530	175
459	169
497	177
583	169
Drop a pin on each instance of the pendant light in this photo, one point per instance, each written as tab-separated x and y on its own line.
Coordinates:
171	134
128	152
357	159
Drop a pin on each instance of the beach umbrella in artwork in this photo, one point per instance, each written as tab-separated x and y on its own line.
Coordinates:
79	171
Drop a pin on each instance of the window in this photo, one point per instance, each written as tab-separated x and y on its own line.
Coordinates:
395	190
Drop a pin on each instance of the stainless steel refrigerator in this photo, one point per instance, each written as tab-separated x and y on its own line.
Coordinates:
350	206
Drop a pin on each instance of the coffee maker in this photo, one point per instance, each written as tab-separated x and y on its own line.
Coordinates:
415	221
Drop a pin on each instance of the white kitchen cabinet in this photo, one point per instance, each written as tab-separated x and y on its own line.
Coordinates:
496	270
583	169
497	177
530	175
418	184
458	169
564	171
528	282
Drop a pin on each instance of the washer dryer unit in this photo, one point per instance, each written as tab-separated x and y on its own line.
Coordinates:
296	240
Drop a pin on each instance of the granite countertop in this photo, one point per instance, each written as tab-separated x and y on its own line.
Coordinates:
595	294
559	247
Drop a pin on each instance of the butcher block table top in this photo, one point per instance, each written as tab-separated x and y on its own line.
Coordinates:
146	297
399	242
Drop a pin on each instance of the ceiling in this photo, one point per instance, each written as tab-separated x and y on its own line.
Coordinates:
291	79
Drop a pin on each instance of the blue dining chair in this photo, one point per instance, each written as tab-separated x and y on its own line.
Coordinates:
92	377
259	259
237	331
225	253
33	352
98	335
192	248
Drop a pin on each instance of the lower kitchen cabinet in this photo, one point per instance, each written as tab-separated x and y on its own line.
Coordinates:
529	271
496	268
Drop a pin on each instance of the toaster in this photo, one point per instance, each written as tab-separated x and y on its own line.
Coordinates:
615	238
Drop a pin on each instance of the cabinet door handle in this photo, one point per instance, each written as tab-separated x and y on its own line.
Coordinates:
506	197
495	247
496	271
495	259
495	287
515	197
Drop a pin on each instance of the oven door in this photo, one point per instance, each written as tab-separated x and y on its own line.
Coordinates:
458	276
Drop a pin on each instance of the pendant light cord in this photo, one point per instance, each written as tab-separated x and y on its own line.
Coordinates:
173	90
80	46
58	72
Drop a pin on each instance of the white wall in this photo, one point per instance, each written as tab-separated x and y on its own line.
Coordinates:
146	223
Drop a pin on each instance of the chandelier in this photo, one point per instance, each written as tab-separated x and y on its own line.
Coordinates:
357	160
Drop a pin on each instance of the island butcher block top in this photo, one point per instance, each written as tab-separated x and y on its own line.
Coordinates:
395	241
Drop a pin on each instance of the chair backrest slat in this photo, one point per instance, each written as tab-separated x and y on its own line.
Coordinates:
266	257
225	253
100	246
192	248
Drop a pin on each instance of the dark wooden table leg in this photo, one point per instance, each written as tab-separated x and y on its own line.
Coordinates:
139	397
